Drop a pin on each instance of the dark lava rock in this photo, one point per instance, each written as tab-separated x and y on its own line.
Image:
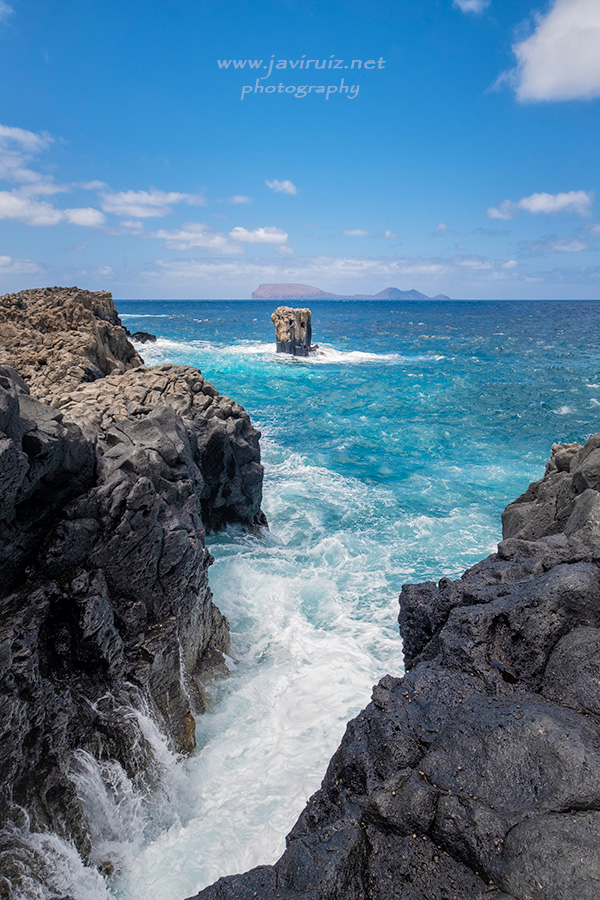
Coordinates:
477	775
106	609
143	337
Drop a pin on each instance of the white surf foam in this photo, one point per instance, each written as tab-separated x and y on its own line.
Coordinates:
166	349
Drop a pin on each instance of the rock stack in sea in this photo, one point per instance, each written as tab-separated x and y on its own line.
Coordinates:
293	330
110	472
477	775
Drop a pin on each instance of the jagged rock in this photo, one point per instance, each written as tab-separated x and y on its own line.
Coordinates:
106	607
293	330
58	337
143	337
226	446
477	774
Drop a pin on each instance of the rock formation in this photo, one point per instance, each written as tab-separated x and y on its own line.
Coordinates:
58	337
143	337
477	775
293	330
109	474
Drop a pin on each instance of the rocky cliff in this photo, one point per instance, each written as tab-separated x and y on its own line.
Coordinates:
477	775
57	338
109	474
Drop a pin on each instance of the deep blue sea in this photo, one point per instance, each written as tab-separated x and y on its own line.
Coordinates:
389	457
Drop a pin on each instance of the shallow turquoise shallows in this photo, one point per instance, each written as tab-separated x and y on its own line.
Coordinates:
389	457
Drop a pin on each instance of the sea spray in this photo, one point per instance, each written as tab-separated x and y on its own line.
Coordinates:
122	813
43	866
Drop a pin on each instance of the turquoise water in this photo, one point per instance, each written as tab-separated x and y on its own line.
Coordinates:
389	457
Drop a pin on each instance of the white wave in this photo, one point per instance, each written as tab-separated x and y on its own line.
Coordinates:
43	866
312	606
165	348
145	315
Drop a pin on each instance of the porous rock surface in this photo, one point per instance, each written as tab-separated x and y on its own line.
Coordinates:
106	488
293	330
58	337
477	774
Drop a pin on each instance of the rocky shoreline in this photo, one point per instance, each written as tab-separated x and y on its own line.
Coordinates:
477	775
110	473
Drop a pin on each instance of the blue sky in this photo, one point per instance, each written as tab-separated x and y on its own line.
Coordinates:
463	159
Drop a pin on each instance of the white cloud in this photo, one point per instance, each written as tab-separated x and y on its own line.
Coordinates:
356	232
267	235
86	216
17	147
11	266
595	230
554	245
30	140
327	269
41	188
239	199
478	263
510	264
6	11
196	234
561	59
146	204
282	187
578	202
27	210
390	234
471	6
567	245
131	226
91	185
39	212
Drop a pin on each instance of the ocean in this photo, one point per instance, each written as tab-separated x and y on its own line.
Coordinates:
389	457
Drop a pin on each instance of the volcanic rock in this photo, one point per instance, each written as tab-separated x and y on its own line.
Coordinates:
58	337
109	477
293	330
143	337
477	774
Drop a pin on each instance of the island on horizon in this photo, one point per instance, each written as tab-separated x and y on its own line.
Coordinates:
309	292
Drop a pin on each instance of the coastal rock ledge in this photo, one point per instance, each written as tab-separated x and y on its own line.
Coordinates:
110	472
477	775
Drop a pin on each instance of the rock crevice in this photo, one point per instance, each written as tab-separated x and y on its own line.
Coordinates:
477	774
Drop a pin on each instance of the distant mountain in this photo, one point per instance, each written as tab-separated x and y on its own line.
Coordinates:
291	292
308	292
393	293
